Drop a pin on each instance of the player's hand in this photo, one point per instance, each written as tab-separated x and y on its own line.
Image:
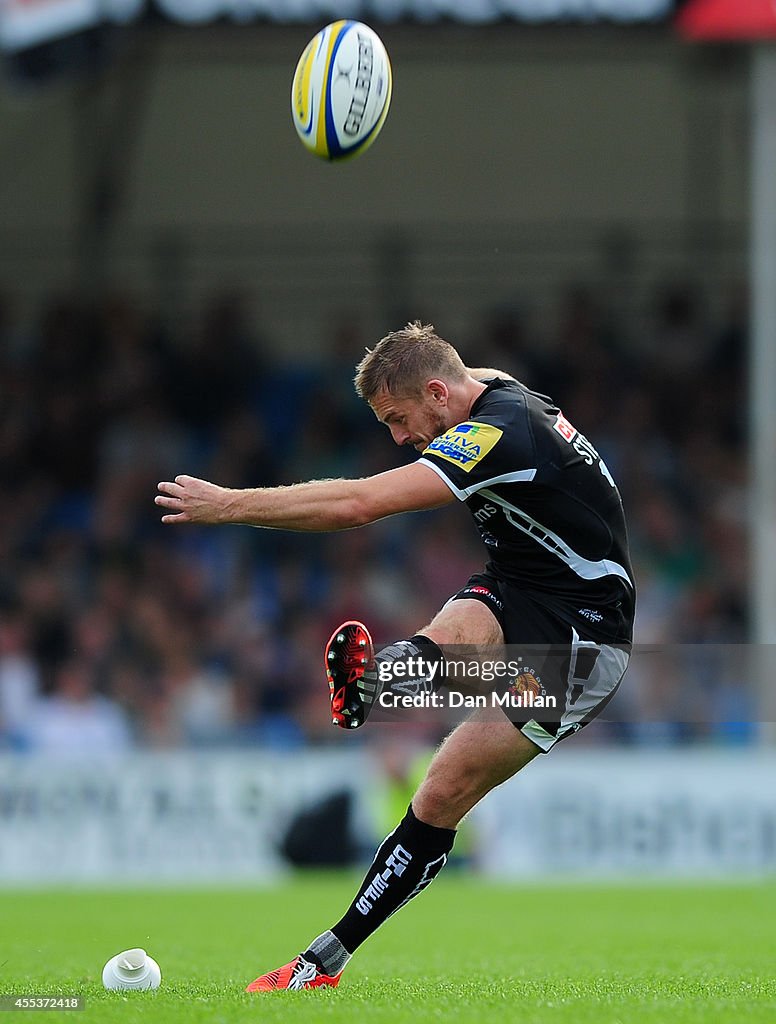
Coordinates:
191	500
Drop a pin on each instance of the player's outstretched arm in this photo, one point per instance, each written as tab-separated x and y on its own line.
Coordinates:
319	505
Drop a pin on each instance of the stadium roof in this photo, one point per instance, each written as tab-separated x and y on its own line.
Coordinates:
29	23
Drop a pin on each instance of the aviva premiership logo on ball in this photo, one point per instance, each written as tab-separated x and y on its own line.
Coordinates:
465	444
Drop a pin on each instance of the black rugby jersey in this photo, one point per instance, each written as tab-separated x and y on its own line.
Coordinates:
546	506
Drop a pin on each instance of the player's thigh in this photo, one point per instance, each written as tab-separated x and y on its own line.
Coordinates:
464	622
476	757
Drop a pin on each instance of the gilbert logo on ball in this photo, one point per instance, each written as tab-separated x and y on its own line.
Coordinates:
133	968
341	90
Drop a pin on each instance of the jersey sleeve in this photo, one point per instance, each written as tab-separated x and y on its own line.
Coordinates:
477	454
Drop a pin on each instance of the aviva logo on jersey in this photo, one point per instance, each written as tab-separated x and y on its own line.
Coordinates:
465	444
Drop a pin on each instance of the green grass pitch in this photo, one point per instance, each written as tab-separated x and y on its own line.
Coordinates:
465	951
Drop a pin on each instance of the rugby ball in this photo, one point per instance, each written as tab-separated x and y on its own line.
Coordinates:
341	90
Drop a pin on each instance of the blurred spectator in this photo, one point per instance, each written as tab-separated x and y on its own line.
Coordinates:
19	679
75	719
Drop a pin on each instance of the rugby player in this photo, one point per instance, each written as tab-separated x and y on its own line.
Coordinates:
558	574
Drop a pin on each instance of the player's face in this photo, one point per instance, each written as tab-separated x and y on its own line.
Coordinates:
415	421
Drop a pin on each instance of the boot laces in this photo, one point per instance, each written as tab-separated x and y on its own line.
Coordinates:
303	972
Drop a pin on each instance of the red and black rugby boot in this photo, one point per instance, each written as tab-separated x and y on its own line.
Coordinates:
349	660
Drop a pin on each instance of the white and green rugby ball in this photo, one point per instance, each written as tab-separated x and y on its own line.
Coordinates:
341	90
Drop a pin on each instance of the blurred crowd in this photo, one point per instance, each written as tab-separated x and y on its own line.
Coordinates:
117	631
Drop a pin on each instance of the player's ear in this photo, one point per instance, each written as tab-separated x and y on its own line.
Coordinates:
438	391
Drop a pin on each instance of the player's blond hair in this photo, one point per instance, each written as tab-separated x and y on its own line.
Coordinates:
404	361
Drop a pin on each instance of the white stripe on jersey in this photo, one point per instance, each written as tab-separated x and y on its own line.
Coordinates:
583	567
518	476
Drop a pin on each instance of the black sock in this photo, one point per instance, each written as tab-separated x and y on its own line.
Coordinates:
409	859
428	647
406	668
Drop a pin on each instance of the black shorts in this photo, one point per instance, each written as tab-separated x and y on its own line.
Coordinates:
572	670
